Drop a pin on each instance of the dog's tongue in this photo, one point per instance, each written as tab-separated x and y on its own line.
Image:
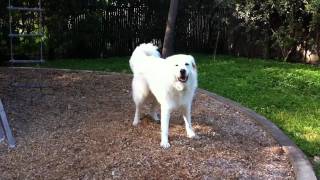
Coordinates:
183	78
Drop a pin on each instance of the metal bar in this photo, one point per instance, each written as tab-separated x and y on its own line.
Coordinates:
10	31
14	61
41	28
14	35
11	48
1	134
6	127
24	9
41	49
25	35
216	46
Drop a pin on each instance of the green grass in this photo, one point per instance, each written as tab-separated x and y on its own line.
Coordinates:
113	64
288	94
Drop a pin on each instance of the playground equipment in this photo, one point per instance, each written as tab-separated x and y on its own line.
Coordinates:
5	131
13	34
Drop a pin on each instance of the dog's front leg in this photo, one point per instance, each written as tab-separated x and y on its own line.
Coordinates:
136	119
165	118
187	121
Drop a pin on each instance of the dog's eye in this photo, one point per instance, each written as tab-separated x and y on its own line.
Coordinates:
176	64
187	64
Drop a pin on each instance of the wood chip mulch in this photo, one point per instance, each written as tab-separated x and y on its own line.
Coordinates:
77	125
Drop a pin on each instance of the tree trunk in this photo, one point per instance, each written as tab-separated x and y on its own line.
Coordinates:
168	42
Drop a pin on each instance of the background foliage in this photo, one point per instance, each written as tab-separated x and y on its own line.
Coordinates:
278	29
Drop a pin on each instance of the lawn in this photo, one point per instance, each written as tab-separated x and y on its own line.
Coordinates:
287	94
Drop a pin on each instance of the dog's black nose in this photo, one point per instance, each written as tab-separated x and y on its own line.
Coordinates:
182	72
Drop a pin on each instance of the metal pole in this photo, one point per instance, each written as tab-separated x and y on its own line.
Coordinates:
216	46
41	29
1	133
6	127
10	30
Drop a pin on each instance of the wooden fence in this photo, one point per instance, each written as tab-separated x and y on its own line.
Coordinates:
107	32
89	31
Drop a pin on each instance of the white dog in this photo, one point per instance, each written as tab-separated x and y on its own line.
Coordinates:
172	83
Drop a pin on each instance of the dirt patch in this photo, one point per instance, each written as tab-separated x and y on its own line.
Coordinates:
78	126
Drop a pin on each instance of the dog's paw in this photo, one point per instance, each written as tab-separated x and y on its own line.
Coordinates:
157	120
165	145
136	122
155	117
193	135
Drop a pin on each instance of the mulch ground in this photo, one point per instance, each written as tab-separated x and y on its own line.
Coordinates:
78	126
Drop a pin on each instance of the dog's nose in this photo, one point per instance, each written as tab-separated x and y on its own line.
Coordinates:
183	72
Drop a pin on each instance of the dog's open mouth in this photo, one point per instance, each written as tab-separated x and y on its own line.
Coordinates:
183	79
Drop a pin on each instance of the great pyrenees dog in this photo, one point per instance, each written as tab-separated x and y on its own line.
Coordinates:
170	82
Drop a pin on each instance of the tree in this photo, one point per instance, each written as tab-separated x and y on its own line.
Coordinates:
168	48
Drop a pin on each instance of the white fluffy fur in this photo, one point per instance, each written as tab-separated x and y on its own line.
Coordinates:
158	78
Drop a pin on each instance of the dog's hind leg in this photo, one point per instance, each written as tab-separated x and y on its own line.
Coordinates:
153	112
187	121
140	92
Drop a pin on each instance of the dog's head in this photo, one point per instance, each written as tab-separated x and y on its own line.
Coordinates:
183	68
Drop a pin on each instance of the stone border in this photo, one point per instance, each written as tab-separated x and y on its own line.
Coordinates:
301	165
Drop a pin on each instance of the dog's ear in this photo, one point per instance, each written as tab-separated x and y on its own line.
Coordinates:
194	65
193	62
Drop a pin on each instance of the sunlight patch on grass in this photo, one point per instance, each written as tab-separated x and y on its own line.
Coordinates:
302	128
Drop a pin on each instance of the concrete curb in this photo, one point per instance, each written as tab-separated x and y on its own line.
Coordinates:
301	165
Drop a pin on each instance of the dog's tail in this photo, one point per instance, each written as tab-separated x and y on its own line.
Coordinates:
141	55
